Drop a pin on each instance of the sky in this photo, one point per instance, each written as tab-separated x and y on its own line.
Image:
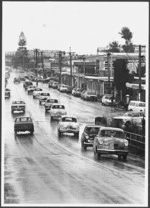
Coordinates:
83	26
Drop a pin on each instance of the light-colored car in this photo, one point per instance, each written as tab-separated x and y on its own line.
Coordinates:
63	88
77	92
43	97
57	111
55	85
37	92
49	102
30	89
88	135
18	106
107	99
110	140
129	118
68	124
135	105
87	95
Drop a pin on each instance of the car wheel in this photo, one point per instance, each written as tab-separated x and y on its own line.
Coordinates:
15	132
124	157
39	102
45	110
83	147
59	133
51	118
97	155
76	134
12	111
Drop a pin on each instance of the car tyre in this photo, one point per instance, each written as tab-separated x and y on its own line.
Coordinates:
97	155
51	118
59	133
124	157
83	147
39	103
76	134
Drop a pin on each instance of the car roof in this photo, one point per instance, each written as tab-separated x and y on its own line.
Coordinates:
58	104
68	116
111	128
92	125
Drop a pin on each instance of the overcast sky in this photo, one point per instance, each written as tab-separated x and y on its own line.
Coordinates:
83	26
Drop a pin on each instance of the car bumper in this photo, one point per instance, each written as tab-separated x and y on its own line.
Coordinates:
69	130
88	144
117	152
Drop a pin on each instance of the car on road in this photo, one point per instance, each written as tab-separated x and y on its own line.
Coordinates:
63	88
88	135
76	92
7	93
87	95
135	105
16	80
49	102
23	124
18	106
57	111
30	89
27	83
55	85
110	140
107	99
43	97
68	124
37	92
50	83
129	118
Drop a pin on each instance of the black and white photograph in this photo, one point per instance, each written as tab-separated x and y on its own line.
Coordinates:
75	104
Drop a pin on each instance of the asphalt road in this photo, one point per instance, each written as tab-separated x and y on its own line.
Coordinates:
45	169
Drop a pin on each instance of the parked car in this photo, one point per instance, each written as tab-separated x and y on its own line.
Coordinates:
23	124
88	135
135	105
7	93
27	83
129	118
49	102
77	92
63	88
110	140
36	93
107	99
69	89
43	97
68	124
18	106
89	96
50	83
57	110
55	85
30	89
16	80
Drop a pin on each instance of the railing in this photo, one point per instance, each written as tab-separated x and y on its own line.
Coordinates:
136	143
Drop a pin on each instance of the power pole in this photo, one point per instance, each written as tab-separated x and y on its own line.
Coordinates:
139	67
42	62
70	67
108	61
60	65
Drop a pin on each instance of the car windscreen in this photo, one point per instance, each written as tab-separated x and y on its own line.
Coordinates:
132	103
142	104
58	107
18	102
92	130
112	133
52	101
45	94
69	119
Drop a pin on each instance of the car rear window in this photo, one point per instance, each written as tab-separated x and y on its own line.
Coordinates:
92	130
58	107
45	94
52	101
69	119
24	119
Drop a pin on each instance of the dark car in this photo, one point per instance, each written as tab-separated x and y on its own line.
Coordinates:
23	124
77	92
16	80
27	83
88	135
7	93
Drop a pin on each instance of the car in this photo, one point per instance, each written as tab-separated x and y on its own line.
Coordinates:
16	80
57	111
7	93
63	88
128	119
18	106
27	83
37	92
82	94
23	124
55	85
50	83
107	99
89	96
69	89
111	140
135	105
43	97
76	92
68	124
30	89
88	135
49	102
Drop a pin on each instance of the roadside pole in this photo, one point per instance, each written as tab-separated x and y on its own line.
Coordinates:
60	65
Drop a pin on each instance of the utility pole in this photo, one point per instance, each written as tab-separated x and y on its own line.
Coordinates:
60	65
42	62
70	67
108	61
36	59
139	67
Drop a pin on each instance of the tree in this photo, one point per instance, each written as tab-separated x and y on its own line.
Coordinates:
114	47
22	40
127	35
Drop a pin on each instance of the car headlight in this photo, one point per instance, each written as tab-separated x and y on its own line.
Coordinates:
100	141
87	137
126	143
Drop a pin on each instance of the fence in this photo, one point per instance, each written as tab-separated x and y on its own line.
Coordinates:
136	143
